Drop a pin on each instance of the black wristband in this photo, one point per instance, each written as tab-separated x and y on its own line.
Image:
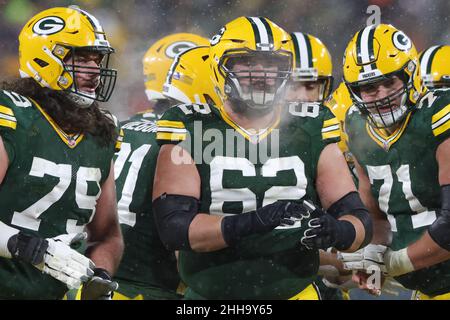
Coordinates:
27	248
235	227
352	204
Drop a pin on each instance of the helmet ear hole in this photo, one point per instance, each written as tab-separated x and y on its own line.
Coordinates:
40	62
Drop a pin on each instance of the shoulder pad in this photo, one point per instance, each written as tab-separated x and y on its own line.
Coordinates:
331	126
9	104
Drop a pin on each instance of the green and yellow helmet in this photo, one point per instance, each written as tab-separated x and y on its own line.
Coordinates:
189	80
435	67
48	43
312	62
159	57
247	40
377	53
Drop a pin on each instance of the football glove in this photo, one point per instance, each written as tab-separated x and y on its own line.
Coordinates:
54	256
390	263
100	287
265	219
325	231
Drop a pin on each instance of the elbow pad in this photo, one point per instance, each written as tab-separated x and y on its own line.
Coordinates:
173	215
351	204
440	229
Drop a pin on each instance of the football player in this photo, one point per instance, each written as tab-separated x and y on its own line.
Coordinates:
312	75
148	270
56	169
236	215
399	134
435	67
310	83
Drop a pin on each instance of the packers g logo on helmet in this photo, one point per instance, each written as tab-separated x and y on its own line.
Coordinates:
401	41
378	53
159	57
48	25
179	47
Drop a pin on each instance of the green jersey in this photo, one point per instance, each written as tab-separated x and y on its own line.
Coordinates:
403	174
145	263
51	187
241	171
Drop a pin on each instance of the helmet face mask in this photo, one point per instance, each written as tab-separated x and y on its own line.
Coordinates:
257	79
100	76
386	111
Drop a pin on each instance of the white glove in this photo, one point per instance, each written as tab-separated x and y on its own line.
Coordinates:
64	263
390	263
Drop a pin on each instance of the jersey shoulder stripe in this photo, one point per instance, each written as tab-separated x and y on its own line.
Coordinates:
7	118
331	129
440	121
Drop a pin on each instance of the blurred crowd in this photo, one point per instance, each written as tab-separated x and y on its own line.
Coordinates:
132	26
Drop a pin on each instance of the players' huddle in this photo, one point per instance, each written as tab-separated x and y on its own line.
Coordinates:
249	178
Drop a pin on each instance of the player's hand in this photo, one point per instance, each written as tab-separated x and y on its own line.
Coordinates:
375	256
278	213
324	231
100	287
54	256
365	258
366	283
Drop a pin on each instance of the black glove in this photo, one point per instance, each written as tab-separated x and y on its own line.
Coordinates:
262	220
99	287
28	248
325	231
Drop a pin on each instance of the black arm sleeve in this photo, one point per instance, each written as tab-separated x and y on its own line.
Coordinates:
440	229
351	204
173	214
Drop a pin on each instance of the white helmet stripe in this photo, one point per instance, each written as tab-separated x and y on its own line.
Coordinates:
303	50
365	57
426	60
263	34
95	23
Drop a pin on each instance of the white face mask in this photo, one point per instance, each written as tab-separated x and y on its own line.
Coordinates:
388	119
259	97
82	101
